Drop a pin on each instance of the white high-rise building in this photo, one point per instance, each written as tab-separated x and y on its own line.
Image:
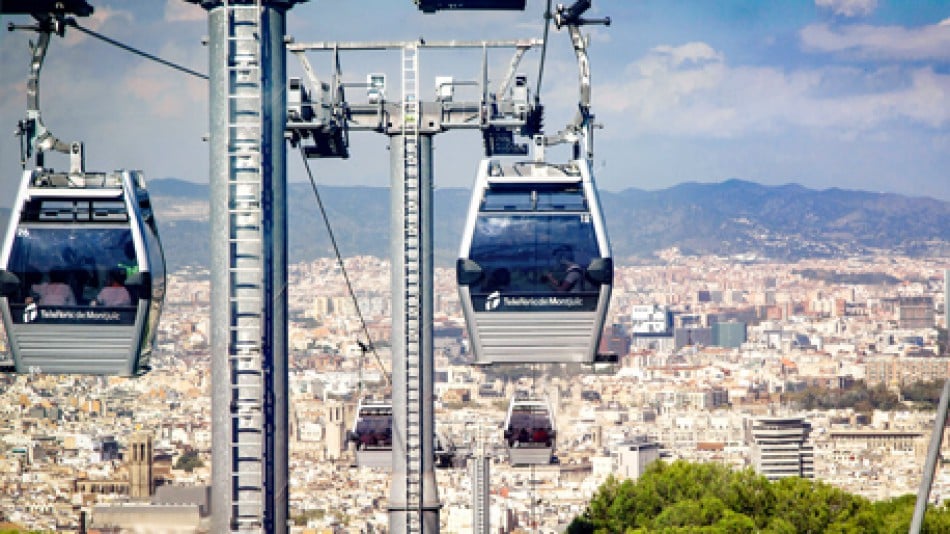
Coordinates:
783	448
650	319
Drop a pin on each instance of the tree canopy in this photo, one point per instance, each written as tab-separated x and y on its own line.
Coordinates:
189	461
710	498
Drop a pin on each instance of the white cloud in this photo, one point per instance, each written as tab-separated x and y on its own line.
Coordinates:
691	91
881	42
848	8
179	11
164	93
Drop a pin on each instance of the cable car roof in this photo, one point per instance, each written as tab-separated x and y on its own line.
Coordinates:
56	181
526	172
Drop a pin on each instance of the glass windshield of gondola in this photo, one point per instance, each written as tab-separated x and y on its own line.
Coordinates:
534	248
529	426
75	274
374	427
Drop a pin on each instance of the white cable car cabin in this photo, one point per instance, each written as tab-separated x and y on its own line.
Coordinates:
534	271
530	434
83	274
373	434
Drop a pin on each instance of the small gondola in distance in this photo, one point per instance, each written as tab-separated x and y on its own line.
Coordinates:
82	274
535	270
372	434
530	433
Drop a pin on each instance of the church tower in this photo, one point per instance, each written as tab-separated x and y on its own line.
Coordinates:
335	436
140	465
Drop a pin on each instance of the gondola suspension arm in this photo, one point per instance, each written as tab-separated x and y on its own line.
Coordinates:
582	127
35	136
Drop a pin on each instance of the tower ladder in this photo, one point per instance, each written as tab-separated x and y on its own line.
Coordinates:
246	283
413	277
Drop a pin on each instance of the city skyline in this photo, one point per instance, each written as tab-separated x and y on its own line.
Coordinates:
695	401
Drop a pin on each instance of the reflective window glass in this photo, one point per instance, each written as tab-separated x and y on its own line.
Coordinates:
561	200
70	266
507	200
534	254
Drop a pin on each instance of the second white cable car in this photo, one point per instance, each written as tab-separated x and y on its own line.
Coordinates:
534	271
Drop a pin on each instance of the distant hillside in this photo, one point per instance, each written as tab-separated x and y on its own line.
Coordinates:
781	222
734	217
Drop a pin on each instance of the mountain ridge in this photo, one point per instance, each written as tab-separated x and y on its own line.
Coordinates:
734	217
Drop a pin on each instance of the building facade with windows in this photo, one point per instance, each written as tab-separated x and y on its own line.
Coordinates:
783	447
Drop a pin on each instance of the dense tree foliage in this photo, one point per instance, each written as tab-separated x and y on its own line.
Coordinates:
923	392
862	398
859	396
709	498
189	461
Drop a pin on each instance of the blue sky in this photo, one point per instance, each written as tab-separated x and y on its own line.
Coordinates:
852	94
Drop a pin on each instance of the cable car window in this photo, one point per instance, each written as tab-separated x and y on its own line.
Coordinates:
503	200
552	199
530	424
50	210
534	254
563	200
70	267
374	427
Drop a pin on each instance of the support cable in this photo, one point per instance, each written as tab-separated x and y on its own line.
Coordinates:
72	22
339	259
548	15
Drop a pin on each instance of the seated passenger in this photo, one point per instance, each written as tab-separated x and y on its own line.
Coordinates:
115	293
573	279
523	436
56	292
367	440
540	436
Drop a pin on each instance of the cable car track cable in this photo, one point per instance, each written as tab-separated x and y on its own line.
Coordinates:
339	259
548	15
72	22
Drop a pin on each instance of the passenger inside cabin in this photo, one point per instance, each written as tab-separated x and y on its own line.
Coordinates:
115	293
56	292
540	435
573	278
523	435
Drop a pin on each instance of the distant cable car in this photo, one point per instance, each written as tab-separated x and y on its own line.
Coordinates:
372	434
445	452
530	433
83	274
534	270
